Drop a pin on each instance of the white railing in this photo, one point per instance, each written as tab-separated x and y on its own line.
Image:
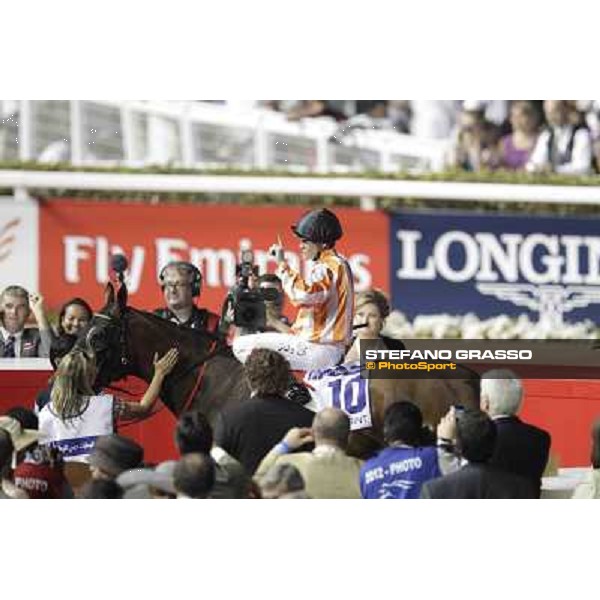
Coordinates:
23	181
194	134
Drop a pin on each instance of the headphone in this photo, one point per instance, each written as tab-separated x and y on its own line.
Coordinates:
196	282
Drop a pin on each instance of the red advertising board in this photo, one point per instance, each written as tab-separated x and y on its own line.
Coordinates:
77	239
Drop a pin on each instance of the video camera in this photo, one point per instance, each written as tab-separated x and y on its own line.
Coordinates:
249	309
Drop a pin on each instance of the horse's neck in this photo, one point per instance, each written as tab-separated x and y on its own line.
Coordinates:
151	335
179	387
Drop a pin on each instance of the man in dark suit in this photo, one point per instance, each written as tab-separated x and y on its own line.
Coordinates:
521	448
476	439
15	340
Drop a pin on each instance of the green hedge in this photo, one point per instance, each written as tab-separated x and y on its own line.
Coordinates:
450	175
499	177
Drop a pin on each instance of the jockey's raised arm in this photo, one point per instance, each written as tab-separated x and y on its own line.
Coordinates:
323	325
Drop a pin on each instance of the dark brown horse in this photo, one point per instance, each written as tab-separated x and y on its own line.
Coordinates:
208	377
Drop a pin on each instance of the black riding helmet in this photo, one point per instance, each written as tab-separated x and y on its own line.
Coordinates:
319	226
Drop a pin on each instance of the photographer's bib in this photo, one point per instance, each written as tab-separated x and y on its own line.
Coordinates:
76	437
342	387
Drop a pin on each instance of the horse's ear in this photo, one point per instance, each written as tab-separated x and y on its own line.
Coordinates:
122	297
109	294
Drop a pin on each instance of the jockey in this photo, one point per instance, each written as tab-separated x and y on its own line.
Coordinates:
323	325
181	282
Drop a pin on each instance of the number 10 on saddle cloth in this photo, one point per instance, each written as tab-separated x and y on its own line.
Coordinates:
342	387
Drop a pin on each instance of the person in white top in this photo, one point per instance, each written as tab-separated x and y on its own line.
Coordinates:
563	147
76	416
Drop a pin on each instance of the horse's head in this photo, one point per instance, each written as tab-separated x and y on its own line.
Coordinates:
105	337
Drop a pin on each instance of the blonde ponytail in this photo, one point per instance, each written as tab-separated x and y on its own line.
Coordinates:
72	384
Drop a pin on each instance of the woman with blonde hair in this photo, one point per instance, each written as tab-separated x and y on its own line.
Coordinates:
76	415
371	308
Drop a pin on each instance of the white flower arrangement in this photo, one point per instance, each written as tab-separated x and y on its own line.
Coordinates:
501	327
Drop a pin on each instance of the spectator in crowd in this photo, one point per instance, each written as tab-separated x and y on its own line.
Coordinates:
596	152
11	450
477	142
181	283
76	415
250	429
310	109
41	474
195	435
434	119
400	113
591	108
194	476
156	484
590	487
113	455
74	316
16	304
328	471
371	308
476	439
22	437
516	147
26	417
565	146
322	328
283	481
101	489
372	115
521	448
497	113
7	449
401	468
39	470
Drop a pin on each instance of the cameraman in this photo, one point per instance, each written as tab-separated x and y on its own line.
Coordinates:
181	282
323	326
276	320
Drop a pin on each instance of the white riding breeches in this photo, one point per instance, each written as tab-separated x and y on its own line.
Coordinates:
300	353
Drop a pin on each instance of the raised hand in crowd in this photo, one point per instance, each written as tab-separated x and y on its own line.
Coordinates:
38	308
446	429
298	436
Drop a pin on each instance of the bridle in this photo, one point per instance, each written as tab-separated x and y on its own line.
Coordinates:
124	359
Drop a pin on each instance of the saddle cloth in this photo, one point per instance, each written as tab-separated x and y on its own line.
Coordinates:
342	387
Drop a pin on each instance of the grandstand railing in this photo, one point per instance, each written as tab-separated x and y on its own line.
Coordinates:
22	181
195	134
